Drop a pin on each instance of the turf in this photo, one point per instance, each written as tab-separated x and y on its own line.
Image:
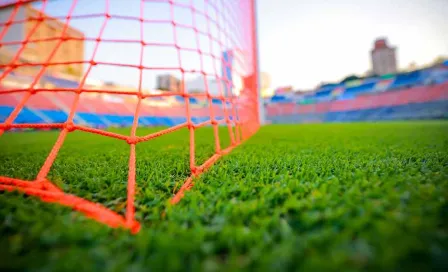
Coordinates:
342	197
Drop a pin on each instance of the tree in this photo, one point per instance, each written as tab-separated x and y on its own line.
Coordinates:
439	60
350	78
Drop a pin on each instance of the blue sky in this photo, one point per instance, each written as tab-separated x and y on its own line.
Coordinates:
301	42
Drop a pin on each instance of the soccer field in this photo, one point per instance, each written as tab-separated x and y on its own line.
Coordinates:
318	197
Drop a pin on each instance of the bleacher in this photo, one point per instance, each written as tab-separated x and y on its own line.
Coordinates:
98	110
416	95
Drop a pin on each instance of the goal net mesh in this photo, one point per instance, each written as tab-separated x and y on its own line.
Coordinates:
90	65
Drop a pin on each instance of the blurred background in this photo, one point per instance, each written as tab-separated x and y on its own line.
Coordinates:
319	62
345	60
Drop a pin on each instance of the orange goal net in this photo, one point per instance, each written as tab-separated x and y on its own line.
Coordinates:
85	65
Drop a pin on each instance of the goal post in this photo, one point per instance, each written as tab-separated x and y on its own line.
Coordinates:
256	61
87	65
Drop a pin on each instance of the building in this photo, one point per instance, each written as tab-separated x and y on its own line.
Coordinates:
265	82
45	38
384	59
168	83
197	85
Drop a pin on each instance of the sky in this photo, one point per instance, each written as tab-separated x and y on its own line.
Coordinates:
301	42
305	42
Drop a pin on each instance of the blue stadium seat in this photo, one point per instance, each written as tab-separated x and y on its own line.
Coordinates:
280	99
192	100
56	116
27	116
364	88
5	111
406	80
92	119
198	120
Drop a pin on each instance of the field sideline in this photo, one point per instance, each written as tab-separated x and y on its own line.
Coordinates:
342	197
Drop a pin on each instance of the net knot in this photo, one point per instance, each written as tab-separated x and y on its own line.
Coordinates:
195	171
135	227
40	182
132	140
5	127
33	91
70	126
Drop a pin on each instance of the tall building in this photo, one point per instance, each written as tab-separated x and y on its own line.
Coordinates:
168	83
265	82
29	21
384	59
197	85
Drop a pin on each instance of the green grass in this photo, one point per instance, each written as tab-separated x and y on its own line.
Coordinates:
341	197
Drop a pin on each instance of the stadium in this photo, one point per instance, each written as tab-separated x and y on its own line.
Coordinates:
137	137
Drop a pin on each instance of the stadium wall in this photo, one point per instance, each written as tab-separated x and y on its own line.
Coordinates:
423	102
410	104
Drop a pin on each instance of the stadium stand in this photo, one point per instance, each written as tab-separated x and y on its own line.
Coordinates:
421	94
98	110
